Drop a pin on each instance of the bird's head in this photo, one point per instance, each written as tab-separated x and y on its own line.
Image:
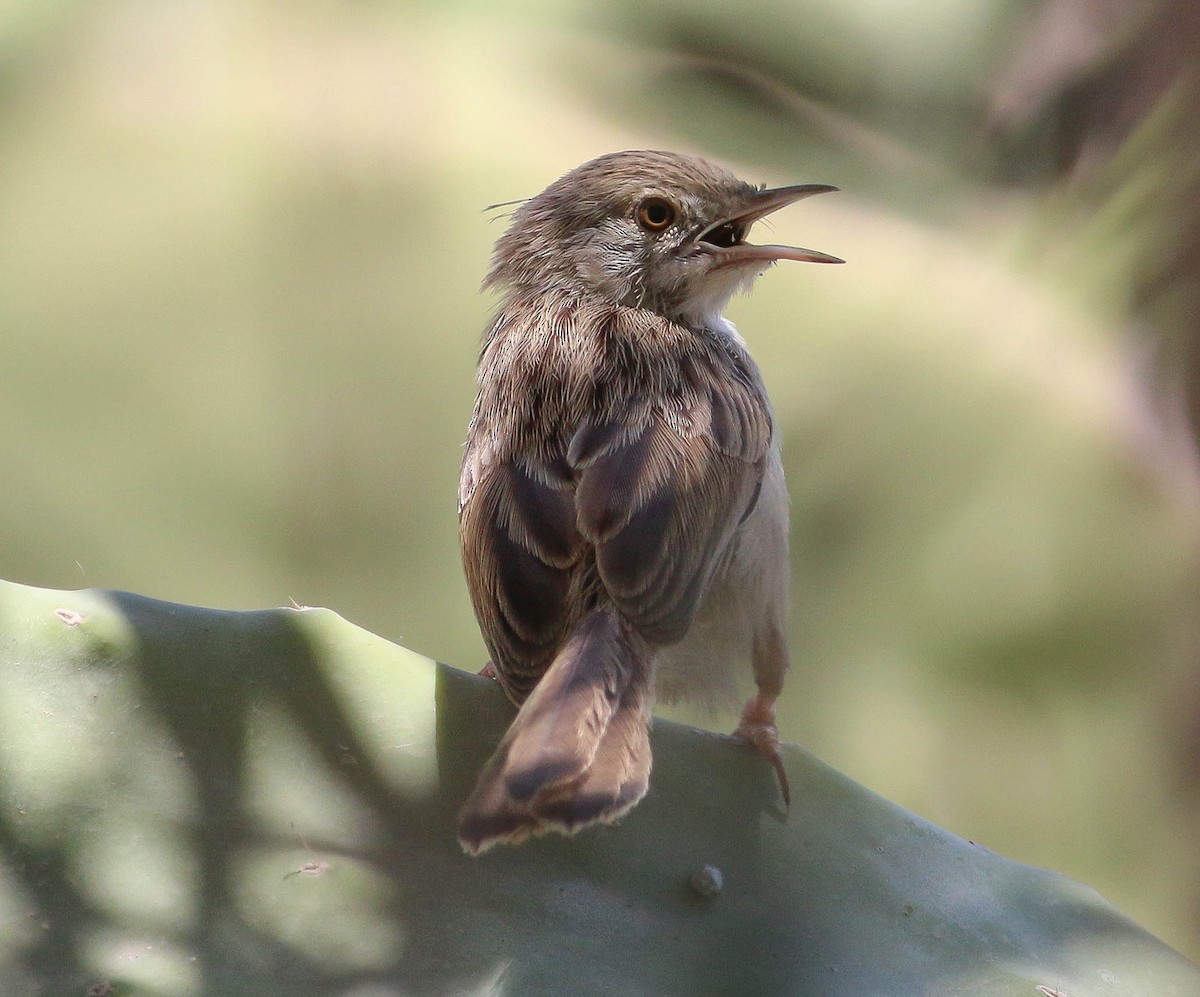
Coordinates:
651	230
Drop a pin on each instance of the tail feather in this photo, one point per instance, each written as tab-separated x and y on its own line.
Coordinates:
618	776
578	750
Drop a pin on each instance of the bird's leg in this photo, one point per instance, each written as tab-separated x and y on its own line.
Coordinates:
757	726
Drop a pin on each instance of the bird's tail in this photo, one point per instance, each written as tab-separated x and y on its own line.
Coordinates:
579	749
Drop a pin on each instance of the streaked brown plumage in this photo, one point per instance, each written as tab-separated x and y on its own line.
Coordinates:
623	514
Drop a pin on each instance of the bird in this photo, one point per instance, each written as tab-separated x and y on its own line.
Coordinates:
623	515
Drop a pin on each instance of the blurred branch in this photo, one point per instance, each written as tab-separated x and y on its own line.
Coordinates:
838	128
1112	87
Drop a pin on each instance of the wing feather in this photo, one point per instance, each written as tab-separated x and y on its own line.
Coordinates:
636	508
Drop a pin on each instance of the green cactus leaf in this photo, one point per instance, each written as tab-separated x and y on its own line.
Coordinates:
199	802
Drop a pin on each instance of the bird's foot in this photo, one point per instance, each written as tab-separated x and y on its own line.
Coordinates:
757	728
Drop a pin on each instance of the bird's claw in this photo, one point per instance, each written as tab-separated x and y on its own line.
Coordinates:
757	728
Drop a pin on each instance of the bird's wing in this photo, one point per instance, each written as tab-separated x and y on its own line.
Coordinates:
660	498
640	509
520	547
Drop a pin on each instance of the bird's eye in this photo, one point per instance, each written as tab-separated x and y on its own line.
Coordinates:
654	214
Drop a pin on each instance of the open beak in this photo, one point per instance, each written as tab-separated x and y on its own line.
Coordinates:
726	238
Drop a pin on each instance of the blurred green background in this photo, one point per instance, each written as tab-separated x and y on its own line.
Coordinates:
240	246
